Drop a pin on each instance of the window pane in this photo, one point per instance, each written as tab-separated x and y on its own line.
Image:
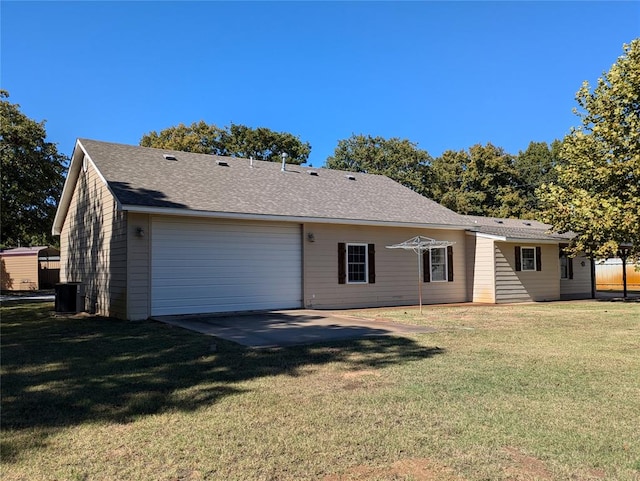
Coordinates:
437	273
437	256
356	253
357	263
439	264
528	259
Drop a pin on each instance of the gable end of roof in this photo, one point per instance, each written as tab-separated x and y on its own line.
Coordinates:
79	156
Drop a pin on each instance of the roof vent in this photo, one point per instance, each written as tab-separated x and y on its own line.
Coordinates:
498	221
527	223
169	156
313	172
223	163
351	177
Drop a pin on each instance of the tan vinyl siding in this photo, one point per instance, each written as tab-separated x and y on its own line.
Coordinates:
580	286
484	271
396	269
20	273
522	286
94	247
138	267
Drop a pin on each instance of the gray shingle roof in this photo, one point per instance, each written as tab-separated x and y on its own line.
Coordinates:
515	228
142	177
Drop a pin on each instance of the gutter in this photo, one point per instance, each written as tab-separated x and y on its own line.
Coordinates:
519	240
172	211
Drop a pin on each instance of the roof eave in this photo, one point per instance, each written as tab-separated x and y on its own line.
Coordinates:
283	218
69	187
520	240
486	236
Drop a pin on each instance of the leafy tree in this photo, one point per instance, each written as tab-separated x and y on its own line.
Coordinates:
32	177
447	175
597	192
534	167
490	174
480	181
236	141
199	137
398	159
264	144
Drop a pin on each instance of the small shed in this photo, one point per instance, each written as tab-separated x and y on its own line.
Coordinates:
29	268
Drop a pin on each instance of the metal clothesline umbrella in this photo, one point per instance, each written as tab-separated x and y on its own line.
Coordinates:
419	244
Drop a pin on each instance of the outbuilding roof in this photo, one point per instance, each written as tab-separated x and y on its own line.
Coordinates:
165	181
30	251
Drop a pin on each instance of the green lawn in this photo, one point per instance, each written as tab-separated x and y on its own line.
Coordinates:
537	391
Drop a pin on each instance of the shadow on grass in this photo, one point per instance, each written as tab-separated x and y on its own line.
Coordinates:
59	371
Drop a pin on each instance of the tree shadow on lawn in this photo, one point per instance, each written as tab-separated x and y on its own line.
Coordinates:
64	371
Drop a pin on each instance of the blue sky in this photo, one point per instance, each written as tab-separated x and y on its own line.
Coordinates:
446	75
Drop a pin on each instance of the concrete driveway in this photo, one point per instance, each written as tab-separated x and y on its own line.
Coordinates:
288	328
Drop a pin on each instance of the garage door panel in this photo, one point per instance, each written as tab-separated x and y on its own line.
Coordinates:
219	266
217	284
234	288
213	304
228	272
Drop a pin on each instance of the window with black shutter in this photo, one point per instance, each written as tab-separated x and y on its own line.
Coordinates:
437	264
528	258
356	263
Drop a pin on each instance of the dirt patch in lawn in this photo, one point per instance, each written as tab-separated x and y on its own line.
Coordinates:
519	467
363	379
419	469
525	466
361	373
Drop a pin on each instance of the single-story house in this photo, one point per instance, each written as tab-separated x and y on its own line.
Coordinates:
149	232
29	268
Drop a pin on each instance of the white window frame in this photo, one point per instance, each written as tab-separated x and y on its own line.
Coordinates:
535	261
366	263
446	262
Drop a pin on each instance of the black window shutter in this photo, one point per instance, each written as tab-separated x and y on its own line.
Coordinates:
426	266
518	259
342	259
450	263
538	258
371	252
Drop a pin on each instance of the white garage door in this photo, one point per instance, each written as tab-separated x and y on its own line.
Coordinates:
201	265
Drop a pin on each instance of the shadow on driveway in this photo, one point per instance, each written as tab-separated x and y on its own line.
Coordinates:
288	328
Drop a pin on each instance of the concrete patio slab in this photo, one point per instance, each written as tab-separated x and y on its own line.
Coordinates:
288	328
